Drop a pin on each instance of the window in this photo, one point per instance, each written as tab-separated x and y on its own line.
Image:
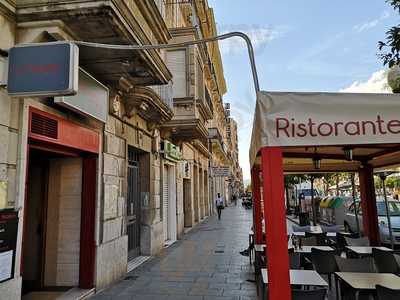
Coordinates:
394	208
176	63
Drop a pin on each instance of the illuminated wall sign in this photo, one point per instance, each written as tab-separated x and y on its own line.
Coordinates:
171	151
91	99
45	69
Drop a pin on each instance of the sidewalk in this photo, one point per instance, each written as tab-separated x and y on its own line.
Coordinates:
204	265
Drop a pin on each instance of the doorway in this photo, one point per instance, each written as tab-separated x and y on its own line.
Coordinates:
187	202
169	204
133	205
51	241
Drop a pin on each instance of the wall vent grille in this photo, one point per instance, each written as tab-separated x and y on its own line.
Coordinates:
44	126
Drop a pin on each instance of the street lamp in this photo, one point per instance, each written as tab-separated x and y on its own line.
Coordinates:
225	36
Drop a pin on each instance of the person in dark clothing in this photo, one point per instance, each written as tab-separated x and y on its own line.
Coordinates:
219	202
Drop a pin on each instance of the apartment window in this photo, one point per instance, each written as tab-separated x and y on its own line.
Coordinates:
200	80
176	63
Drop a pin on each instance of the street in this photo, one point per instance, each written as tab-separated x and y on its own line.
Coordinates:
204	265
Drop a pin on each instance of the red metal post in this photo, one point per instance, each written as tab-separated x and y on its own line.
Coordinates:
88	244
275	224
257	222
368	204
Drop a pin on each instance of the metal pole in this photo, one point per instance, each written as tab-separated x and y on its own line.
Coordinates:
353	187
383	178
225	36
314	211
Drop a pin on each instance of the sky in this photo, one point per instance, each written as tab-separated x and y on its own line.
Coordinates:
308	45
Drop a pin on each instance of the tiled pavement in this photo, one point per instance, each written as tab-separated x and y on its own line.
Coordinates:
204	265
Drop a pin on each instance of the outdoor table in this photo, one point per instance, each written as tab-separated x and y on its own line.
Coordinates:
365	250
300	277
307	249
368	281
328	234
259	247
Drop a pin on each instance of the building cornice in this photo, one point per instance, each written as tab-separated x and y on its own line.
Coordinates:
7	9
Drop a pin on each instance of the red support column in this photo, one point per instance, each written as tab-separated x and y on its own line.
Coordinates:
368	204
87	262
275	224
257	225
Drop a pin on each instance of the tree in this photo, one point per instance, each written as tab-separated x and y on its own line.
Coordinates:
390	48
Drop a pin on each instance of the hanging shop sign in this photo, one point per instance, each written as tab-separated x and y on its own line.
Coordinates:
8	242
221	171
91	99
43	70
171	151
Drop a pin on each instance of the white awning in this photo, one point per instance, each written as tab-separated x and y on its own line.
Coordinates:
307	123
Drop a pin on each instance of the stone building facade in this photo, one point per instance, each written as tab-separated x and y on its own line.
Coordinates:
126	187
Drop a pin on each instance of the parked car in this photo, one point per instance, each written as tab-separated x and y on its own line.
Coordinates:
394	209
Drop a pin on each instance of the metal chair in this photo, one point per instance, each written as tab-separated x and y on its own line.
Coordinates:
357	265
294	261
387	294
363	241
309	241
318	294
385	261
324	262
320	237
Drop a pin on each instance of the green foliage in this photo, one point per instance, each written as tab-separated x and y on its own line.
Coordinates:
390	48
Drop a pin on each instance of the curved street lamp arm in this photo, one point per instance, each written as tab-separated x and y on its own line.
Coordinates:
228	35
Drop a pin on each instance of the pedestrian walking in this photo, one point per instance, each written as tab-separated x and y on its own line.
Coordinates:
234	198
220	205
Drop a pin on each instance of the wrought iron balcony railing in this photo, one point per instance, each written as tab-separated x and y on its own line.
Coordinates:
165	93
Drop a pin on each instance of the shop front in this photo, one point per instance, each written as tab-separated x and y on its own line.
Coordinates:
170	162
58	240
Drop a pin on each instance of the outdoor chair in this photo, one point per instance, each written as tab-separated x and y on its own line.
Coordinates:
318	294
387	294
385	261
308	241
320	238
301	228
294	261
363	241
324	262
356	265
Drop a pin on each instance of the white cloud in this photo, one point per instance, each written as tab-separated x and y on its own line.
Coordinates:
377	83
371	24
259	35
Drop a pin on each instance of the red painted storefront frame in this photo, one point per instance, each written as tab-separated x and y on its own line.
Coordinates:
76	141
275	217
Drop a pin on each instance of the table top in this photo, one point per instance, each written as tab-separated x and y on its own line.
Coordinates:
329	234
307	249
368	281
300	277
365	249
259	247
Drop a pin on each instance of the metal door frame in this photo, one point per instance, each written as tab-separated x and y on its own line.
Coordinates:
135	218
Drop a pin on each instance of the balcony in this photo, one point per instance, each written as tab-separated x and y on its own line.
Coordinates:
218	146
153	103
128	22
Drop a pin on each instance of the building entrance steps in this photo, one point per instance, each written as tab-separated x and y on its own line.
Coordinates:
204	265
